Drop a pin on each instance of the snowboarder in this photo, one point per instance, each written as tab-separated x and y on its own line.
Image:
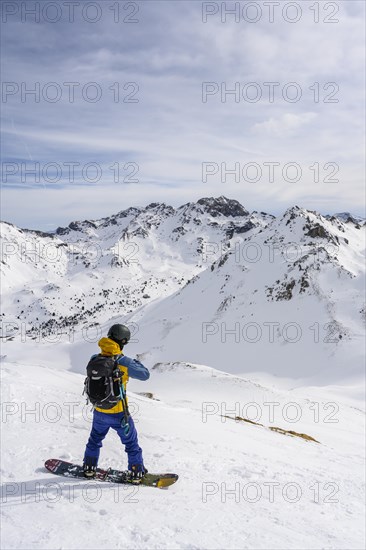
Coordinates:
113	410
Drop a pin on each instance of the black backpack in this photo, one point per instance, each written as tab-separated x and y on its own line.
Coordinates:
102	383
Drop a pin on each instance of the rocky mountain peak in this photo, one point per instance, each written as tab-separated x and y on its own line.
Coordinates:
347	217
222	206
159	208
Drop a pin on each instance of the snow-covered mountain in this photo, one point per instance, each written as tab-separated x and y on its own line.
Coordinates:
287	299
92	270
348	218
207	282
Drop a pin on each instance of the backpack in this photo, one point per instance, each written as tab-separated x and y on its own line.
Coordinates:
102	383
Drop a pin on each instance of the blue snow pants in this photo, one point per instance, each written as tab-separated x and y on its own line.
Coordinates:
101	424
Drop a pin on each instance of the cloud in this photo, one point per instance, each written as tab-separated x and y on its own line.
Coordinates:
285	125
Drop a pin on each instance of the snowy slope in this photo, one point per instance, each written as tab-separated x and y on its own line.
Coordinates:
227	469
288	301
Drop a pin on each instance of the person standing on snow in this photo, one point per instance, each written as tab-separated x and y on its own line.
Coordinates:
113	415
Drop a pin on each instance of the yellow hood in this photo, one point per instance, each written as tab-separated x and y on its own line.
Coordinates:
109	347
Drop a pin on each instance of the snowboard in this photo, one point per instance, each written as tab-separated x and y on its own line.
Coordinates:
67	469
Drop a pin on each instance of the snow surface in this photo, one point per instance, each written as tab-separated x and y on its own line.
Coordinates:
222	498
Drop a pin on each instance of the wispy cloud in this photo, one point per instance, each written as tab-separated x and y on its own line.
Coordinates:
169	132
285	125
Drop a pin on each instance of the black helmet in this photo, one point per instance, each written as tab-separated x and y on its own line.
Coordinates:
120	334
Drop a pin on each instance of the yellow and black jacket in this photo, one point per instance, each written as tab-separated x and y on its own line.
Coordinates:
128	367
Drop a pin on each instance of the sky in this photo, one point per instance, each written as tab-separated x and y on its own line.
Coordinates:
139	102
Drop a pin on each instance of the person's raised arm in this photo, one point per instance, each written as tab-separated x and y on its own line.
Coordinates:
135	368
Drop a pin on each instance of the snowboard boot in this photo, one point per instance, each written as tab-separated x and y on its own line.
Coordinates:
89	470
137	471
